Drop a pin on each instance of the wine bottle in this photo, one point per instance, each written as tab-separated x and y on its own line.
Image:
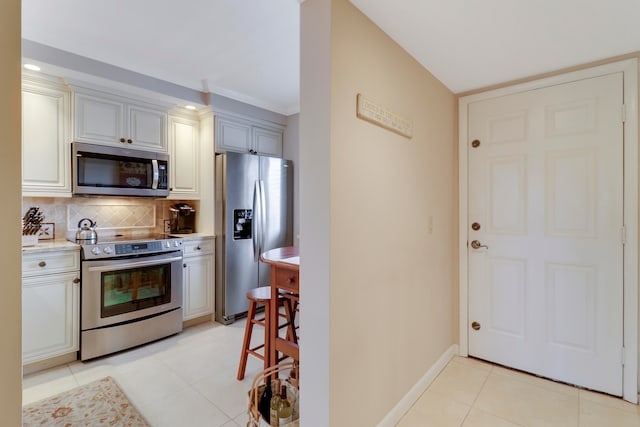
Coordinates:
285	411
293	377
265	401
275	402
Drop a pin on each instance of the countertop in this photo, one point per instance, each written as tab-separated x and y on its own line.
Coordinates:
194	236
51	245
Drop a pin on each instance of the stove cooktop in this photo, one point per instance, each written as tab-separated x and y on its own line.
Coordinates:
119	238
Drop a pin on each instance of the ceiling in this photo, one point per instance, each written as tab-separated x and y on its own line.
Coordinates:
248	50
470	44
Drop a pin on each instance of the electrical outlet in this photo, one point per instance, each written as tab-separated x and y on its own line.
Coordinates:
167	226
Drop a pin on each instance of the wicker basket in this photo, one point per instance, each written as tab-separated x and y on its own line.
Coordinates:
257	387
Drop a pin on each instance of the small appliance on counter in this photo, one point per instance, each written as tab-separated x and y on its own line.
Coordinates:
86	232
182	219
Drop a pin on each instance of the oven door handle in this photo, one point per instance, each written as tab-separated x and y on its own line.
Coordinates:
113	267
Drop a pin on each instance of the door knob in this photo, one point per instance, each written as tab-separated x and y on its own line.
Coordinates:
475	244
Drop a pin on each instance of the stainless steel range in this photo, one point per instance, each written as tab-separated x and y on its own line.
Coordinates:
131	293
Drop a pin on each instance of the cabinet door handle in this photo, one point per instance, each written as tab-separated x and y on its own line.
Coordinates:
42	264
122	140
198	248
130	141
184	265
76	280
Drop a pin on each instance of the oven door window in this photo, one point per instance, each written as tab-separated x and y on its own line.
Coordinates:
124	291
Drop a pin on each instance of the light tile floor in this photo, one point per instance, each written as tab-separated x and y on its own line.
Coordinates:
192	376
189	377
472	393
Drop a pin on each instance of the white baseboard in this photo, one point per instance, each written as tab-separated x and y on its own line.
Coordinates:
401	408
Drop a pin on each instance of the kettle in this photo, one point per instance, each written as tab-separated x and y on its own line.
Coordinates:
87	231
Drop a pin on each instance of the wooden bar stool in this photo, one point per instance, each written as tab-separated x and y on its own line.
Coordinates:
294	300
262	296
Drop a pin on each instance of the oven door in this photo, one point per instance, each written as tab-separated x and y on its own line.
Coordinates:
125	289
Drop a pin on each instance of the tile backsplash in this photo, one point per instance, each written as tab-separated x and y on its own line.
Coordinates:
115	216
134	216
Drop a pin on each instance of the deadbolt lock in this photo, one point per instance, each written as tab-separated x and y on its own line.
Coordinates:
475	326
475	143
475	226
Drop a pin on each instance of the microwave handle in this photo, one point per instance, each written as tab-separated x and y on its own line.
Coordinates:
156	174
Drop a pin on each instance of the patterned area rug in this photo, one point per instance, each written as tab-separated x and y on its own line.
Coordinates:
100	403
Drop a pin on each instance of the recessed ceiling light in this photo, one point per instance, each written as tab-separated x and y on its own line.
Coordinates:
32	67
190	107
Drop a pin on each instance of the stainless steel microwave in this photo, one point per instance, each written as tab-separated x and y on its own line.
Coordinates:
115	171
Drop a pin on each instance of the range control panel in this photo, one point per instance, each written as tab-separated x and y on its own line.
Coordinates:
138	248
111	250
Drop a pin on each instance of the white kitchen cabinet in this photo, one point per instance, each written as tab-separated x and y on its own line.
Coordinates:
46	132
241	134
105	119
267	142
198	277
50	305
184	150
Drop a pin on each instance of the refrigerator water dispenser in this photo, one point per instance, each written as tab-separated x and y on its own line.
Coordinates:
242	220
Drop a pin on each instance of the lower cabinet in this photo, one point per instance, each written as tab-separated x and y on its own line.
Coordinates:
198	277
50	311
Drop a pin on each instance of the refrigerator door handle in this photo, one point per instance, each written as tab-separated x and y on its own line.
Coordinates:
255	235
263	217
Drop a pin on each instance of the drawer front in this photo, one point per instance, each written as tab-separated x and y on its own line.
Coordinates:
50	262
287	279
195	247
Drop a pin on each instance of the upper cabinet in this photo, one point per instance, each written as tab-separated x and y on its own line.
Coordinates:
267	141
242	134
184	150
105	119
46	123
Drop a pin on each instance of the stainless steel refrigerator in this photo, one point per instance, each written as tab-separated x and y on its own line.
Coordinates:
254	213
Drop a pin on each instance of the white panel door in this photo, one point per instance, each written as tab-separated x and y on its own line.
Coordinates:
546	214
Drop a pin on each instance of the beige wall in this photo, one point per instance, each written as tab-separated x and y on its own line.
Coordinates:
10	313
392	285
